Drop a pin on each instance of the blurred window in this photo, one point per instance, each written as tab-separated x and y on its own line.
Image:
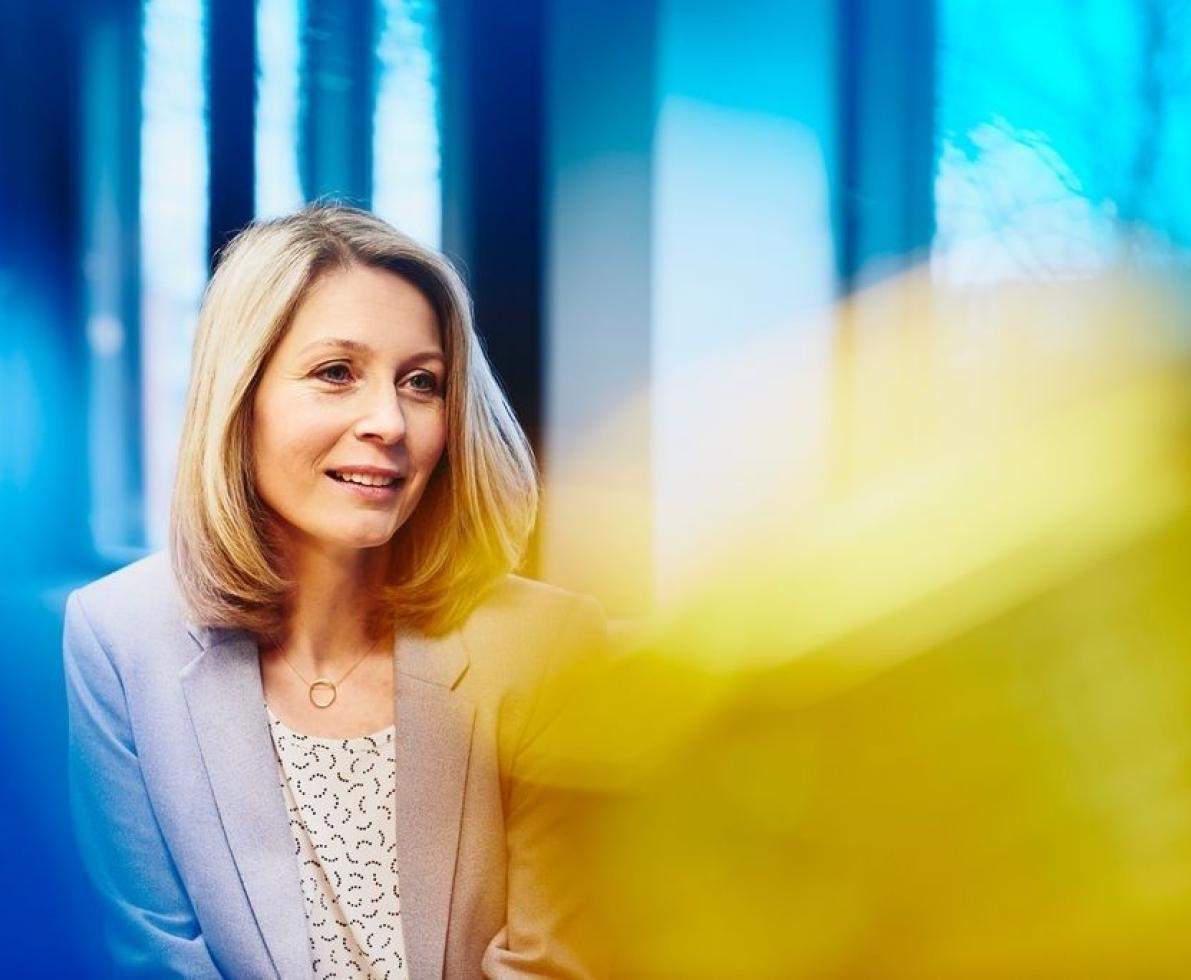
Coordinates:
1064	136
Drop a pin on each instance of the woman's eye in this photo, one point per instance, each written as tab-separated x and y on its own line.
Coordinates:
338	373
426	384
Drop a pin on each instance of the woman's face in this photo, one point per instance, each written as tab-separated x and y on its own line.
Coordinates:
349	419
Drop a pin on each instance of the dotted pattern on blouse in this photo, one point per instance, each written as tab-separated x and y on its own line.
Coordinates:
340	793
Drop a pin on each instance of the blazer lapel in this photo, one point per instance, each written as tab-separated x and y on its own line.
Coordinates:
226	702
434	726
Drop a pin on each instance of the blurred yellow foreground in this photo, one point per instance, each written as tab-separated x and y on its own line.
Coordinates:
936	721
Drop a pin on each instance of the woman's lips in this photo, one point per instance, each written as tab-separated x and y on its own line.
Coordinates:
364	492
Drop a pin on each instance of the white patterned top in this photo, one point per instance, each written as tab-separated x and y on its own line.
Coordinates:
339	793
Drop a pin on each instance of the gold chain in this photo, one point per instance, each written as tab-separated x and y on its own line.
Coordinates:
322	691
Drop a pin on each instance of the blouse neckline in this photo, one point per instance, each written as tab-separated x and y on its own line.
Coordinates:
325	740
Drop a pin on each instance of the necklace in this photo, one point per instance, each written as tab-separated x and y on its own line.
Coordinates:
322	690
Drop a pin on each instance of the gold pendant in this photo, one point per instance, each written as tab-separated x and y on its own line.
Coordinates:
322	693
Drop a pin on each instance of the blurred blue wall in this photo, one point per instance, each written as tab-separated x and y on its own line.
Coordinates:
47	924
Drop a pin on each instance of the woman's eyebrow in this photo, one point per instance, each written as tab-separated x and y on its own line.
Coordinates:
339	343
356	347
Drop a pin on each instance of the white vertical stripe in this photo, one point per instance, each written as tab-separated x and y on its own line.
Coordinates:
278	185
406	158
173	214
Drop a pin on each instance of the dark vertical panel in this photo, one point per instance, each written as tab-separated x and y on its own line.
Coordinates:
885	194
109	176
43	430
231	102
885	205
846	203
600	115
455	145
339	79
492	182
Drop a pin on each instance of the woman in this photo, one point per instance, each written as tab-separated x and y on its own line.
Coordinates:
299	741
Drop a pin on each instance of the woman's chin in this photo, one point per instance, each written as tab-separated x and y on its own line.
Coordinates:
362	539
368	542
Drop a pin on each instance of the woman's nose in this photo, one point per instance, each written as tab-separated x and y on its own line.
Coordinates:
382	418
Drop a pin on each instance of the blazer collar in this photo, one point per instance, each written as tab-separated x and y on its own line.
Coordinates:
436	660
433	745
434	728
227	709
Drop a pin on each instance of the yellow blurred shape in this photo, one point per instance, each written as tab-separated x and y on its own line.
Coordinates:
937	722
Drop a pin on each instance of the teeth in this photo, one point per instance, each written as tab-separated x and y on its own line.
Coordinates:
366	480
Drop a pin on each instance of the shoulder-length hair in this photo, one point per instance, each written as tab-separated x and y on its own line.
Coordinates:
474	519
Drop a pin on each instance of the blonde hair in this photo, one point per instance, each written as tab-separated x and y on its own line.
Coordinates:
474	519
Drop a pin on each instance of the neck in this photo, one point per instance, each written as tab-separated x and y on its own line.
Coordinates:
332	619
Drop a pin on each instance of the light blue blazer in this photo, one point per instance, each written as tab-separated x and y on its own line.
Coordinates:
182	822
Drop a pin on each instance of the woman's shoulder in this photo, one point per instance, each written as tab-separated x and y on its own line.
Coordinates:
145	586
151	573
520	591
131	605
525	606
524	628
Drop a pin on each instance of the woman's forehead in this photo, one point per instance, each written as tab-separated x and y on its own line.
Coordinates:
363	311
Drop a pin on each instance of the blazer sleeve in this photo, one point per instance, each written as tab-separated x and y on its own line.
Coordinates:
150	925
551	927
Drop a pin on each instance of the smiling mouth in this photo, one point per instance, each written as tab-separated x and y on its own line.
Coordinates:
359	480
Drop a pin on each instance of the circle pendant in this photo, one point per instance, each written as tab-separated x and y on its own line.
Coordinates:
322	693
